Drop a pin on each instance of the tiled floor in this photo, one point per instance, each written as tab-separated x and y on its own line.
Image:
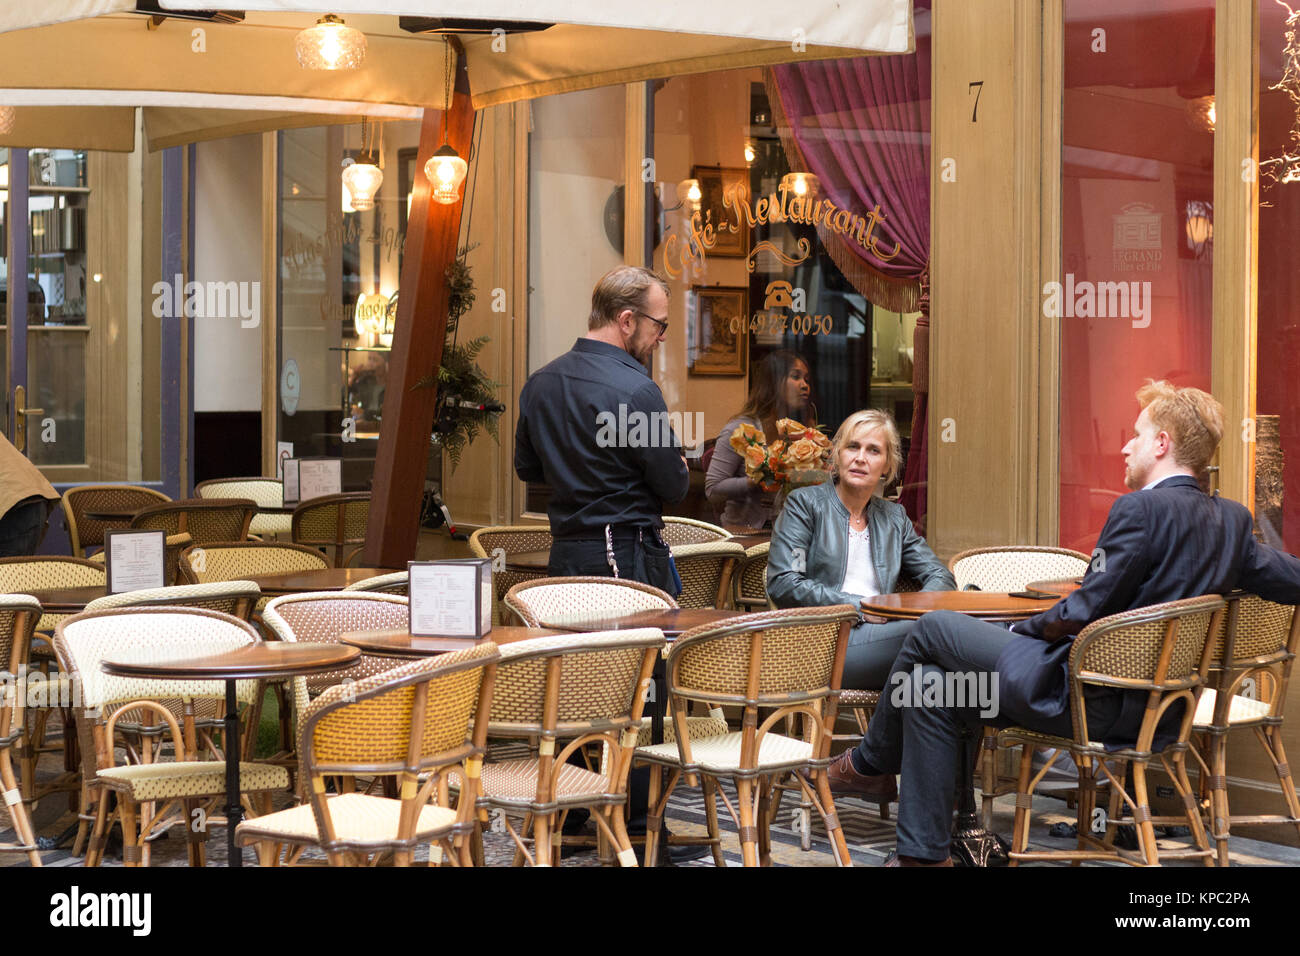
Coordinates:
870	839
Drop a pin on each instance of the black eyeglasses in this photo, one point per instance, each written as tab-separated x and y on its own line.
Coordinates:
663	326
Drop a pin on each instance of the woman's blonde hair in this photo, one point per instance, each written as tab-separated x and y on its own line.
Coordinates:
870	418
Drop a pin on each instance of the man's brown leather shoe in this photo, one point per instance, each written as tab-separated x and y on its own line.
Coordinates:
845	781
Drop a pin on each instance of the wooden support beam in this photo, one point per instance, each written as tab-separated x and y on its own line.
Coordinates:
432	233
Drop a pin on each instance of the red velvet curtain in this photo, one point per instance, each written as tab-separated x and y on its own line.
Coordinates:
862	125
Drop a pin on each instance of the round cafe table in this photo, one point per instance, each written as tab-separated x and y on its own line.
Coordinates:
251	662
974	845
319	579
398	643
1058	586
66	600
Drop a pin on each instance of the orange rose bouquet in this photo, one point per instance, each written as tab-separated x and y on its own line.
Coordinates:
801	456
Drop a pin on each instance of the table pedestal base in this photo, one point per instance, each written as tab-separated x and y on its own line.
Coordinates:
972	845
234	811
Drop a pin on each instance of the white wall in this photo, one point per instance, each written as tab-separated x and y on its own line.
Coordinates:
228	248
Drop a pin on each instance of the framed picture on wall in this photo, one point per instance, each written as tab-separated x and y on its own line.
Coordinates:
714	182
718	330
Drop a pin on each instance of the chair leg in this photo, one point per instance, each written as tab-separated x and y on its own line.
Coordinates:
542	839
1020	826
13	798
831	819
748	833
1142	815
1087	800
707	785
130	835
652	817
1193	810
1271	737
763	819
99	834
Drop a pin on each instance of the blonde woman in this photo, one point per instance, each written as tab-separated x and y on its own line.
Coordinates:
838	542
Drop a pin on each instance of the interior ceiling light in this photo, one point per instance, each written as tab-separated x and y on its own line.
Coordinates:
445	169
801	184
1201	114
330	45
362	179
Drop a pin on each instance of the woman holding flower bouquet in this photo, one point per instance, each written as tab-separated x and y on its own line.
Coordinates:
779	393
838	542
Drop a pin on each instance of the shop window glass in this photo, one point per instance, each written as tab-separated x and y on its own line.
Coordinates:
1276	429
1137	215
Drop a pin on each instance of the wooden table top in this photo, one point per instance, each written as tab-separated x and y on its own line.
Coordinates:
66	600
274	659
529	560
320	579
987	605
398	643
673	621
1060	586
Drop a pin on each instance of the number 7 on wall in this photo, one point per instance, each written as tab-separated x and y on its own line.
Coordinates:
977	87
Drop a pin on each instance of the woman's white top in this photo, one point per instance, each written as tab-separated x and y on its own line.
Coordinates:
859	572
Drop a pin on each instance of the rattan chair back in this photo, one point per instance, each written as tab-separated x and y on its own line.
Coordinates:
706	571
1010	568
679	531
1163	649
573	684
333	521
232	561
267	492
572	602
48	572
235	598
498	542
749	579
319	617
85	532
395	583
205	520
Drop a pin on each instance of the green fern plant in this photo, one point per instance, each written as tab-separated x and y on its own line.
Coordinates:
459	375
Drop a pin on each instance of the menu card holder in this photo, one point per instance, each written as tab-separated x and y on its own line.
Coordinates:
318	477
450	598
135	560
289	477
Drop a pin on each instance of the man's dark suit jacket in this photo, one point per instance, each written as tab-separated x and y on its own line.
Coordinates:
1163	544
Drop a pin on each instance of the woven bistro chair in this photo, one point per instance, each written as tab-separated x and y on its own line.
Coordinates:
418	723
577	601
1011	567
706	571
1250	668
333	521
266	492
789	661
498	542
749	580
1163	650
395	583
18	616
679	531
569	692
237	560
206	520
85	532
83	643
37	573
319	617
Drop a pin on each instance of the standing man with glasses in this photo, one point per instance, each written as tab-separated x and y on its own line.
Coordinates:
593	426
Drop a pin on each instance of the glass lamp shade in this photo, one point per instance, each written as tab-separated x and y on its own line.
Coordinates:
330	45
446	170
369	316
801	184
362	180
7	116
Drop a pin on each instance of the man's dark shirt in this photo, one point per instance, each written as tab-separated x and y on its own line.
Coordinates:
569	437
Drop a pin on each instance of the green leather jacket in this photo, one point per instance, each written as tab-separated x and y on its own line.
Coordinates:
810	541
